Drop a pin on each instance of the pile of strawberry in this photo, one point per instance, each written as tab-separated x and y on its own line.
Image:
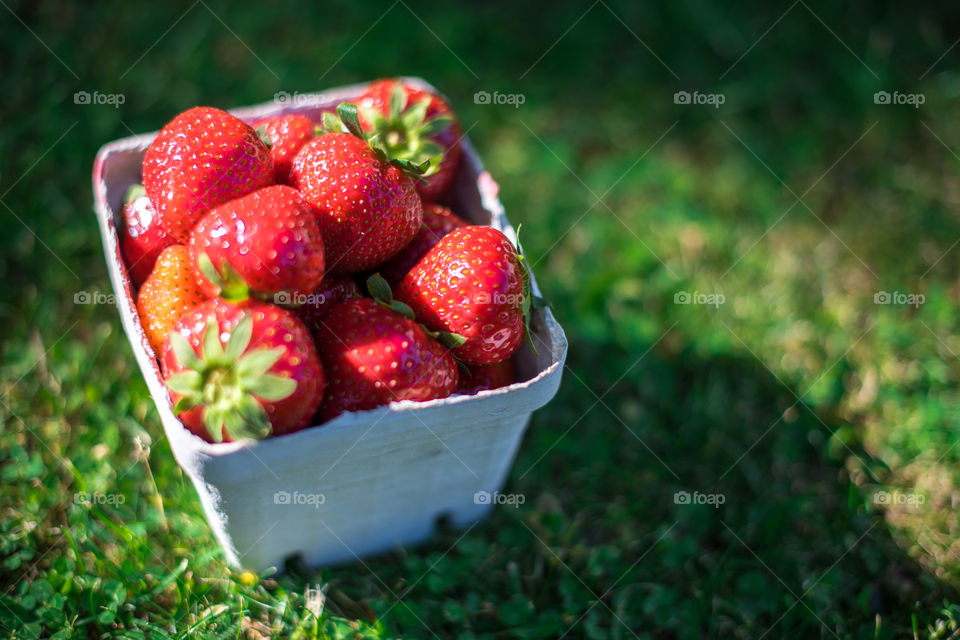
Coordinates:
289	271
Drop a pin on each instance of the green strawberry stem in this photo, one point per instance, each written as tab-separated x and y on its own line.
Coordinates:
447	339
348	115
417	165
405	132
228	382
381	293
529	300
264	136
230	284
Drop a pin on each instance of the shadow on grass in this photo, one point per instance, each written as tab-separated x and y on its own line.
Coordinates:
605	543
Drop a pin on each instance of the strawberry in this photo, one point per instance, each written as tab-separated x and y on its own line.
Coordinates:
167	294
472	283
438	221
315	307
287	134
265	243
242	371
374	356
143	239
200	159
367	206
481	378
415	125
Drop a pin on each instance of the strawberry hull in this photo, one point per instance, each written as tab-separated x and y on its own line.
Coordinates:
365	482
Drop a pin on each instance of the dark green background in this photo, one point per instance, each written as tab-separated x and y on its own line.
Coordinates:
797	398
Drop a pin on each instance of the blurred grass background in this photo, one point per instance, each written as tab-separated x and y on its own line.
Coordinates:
798	398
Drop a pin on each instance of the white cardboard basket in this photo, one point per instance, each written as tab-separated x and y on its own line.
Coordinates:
367	481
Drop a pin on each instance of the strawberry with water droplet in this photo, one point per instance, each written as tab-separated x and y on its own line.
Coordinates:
473	283
266	244
366	202
286	135
200	159
143	237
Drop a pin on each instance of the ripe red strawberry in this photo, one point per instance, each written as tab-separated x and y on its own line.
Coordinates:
415	125
374	356
471	283
438	221
315	307
265	243
168	293
143	239
241	371
367	207
287	135
482	378
200	159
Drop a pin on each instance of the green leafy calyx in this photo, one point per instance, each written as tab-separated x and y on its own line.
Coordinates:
228	382
402	137
530	301
380	291
230	285
406	133
264	136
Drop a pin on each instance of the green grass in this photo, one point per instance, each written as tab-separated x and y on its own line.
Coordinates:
797	399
